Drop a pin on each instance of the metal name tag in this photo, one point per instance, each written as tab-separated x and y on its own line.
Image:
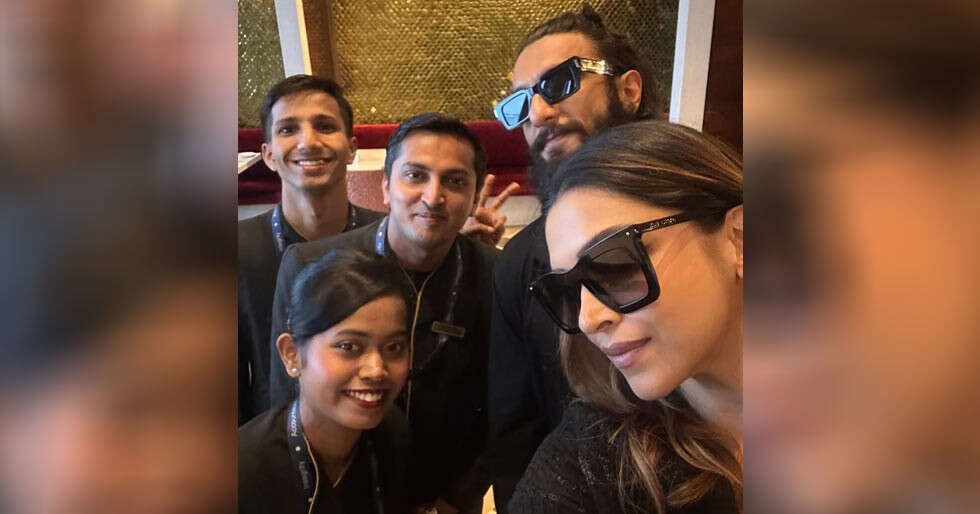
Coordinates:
447	329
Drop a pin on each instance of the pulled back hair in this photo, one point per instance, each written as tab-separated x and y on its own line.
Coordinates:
658	162
671	166
301	84
332	288
614	48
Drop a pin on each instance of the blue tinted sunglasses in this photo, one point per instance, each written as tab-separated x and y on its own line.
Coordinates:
555	85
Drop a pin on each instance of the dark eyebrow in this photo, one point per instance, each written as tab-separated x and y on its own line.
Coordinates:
415	165
451	171
317	117
602	234
325	116
458	171
351	332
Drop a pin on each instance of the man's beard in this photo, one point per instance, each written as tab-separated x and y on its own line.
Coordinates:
542	171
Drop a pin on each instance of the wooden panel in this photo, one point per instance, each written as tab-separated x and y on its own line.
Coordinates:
723	98
320	37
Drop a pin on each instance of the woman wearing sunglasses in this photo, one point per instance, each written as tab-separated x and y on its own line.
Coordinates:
644	232
339	447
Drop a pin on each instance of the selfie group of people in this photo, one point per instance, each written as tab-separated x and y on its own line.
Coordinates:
400	363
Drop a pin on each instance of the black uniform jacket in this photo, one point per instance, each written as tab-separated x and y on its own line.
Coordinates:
269	481
447	408
527	392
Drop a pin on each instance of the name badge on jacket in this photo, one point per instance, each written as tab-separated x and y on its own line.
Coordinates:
448	329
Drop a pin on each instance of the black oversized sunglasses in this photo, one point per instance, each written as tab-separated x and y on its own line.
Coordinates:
616	270
555	85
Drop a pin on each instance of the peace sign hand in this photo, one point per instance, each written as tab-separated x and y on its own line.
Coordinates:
485	223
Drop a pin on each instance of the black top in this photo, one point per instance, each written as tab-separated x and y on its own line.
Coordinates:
575	470
269	482
448	403
258	265
528	393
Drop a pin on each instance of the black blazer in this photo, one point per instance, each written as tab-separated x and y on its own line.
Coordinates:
268	481
529	392
257	268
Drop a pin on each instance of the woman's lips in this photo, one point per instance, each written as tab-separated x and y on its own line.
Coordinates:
624	354
367	398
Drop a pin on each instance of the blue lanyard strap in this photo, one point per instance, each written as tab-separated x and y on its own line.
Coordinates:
278	235
379	237
300	453
277	229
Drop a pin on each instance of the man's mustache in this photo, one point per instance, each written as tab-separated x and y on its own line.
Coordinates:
437	212
560	130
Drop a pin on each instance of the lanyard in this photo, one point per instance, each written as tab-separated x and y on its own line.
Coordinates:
444	328
279	237
299	450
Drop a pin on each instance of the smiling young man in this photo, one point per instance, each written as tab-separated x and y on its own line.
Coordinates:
572	79
434	167
309	141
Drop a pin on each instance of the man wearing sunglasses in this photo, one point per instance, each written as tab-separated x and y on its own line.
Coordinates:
572	79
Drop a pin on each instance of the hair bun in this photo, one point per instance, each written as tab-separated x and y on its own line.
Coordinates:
590	14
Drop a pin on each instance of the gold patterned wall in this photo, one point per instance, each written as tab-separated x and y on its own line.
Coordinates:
259	57
400	57
397	58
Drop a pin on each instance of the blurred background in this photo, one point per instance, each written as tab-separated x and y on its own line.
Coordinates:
862	290
117	233
117	212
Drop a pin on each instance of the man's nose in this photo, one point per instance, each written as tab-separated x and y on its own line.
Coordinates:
434	193
542	114
308	138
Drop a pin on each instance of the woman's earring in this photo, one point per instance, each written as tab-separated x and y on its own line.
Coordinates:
295	371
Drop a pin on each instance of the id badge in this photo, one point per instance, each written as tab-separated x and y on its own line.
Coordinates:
448	329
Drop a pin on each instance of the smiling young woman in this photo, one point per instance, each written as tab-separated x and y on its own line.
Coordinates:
340	444
644	232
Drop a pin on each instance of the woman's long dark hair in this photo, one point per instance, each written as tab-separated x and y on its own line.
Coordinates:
671	166
332	288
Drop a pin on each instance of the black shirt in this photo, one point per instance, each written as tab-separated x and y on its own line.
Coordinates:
528	392
268	480
258	265
447	411
576	467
